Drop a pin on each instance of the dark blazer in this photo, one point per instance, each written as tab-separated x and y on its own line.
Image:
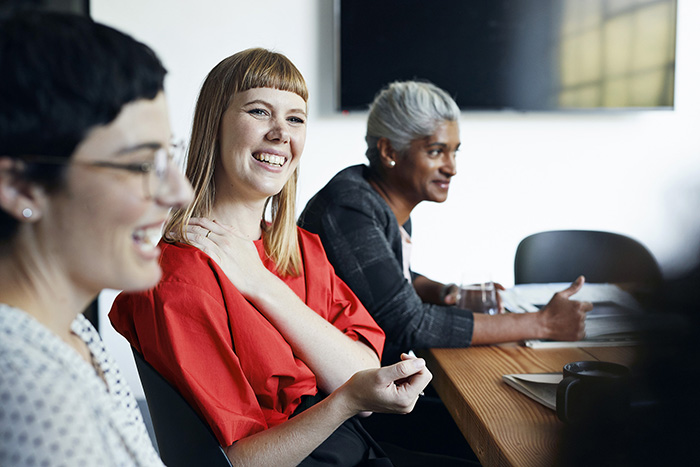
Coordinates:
363	242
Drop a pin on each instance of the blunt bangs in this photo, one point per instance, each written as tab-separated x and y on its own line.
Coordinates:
272	70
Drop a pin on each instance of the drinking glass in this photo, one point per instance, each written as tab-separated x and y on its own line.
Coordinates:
479	298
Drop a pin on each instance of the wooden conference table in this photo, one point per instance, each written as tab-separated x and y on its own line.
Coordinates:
503	426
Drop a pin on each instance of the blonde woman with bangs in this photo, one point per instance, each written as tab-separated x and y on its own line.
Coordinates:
249	322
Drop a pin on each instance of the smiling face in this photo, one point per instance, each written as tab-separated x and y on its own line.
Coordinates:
261	139
100	225
424	171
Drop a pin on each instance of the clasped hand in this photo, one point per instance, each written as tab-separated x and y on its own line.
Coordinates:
390	389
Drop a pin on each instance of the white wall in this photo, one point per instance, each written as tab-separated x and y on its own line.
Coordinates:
636	173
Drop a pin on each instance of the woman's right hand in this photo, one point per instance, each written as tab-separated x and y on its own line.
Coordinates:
564	319
236	256
390	389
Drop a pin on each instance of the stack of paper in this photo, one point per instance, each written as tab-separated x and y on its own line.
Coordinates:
616	318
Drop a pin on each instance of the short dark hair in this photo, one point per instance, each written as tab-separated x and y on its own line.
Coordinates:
63	75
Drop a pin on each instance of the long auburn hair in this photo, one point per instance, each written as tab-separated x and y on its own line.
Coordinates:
248	69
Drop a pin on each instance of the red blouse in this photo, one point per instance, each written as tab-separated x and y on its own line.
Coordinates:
223	355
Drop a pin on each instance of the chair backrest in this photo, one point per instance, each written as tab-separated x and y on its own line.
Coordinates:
563	255
184	439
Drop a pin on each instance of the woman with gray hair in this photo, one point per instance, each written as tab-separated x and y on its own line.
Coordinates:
405	111
363	218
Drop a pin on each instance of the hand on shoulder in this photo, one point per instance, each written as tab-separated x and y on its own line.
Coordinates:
236	256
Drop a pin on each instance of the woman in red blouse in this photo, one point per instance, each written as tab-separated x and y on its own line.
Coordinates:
250	322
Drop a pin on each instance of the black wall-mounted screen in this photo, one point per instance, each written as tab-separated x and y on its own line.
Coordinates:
526	55
78	7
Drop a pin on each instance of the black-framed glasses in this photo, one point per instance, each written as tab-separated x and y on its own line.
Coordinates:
156	174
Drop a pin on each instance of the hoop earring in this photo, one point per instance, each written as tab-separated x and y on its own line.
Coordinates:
27	213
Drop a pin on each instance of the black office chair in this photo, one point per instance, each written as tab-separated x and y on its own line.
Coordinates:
184	439
604	257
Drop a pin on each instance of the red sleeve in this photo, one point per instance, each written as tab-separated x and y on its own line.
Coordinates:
182	330
224	356
329	296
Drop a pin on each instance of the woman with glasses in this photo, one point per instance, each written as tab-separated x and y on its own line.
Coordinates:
250	322
86	182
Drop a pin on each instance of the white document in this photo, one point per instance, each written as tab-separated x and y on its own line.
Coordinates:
614	320
530	297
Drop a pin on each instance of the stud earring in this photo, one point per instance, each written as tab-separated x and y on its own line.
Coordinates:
392	163
27	213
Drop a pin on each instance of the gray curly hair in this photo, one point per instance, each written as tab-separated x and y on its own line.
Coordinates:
404	111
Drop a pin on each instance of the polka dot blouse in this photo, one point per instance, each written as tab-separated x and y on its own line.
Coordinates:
54	408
